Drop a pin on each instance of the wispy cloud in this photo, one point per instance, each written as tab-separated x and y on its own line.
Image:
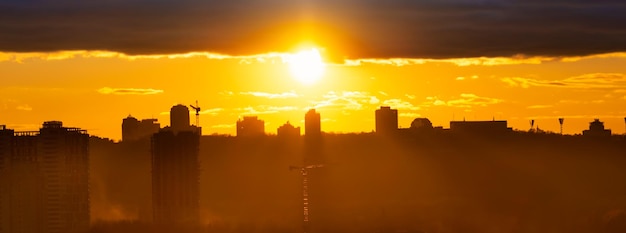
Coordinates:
129	91
24	107
346	100
539	106
465	100
400	104
473	61
576	117
212	111
265	109
283	95
586	81
272	57
578	102
461	78
409	114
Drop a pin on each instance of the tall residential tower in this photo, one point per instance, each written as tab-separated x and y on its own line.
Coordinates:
176	171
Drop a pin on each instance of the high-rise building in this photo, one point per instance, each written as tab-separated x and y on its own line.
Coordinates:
179	118
47	174
130	128
386	120
133	129
176	172
64	155
312	124
28	191
6	141
148	127
250	126
288	131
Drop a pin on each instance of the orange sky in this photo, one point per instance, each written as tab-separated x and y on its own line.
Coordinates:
95	90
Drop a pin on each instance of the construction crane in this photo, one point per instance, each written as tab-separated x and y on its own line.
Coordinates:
305	192
197	108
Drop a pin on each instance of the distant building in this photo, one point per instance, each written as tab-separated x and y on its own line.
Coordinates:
313	141
479	127
133	129
250	126
312	124
179	118
45	180
288	131
421	123
176	171
596	128
386	120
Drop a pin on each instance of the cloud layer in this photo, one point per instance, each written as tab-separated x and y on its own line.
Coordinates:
129	91
352	28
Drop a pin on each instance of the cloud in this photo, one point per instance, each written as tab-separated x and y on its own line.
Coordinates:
469	61
356	29
586	81
465	100
17	57
400	104
265	109
346	100
409	114
212	111
579	102
24	107
128	91
283	95
577	117
539	106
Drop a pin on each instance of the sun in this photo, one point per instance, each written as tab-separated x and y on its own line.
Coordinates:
306	66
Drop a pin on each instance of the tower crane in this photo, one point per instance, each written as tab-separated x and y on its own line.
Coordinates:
305	192
197	108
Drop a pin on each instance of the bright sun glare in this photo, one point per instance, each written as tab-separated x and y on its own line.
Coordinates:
306	66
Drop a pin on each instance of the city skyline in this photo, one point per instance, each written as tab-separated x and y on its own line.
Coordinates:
312	116
139	128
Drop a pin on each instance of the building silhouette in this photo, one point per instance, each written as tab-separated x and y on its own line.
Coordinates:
596	128
312	124
133	129
47	174
179	118
288	131
386	120
479	127
6	151
250	126
176	171
421	123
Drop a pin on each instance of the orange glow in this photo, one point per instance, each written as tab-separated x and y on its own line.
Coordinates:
109	86
306	66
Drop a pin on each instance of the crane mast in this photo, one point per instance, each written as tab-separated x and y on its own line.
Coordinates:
304	171
197	108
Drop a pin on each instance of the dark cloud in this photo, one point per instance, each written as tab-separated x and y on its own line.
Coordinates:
352	28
